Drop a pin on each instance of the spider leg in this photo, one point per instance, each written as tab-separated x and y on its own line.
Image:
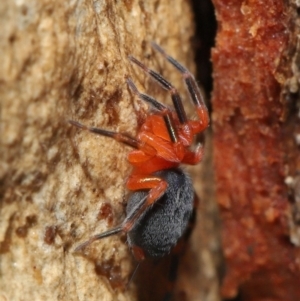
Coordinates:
195	92
120	137
147	143
166	113
97	237
157	188
152	101
177	102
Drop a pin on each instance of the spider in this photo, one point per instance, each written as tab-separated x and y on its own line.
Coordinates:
162	200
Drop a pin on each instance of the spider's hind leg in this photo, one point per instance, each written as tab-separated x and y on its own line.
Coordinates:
156	187
97	237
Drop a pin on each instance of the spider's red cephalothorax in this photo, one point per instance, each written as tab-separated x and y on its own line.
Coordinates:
161	204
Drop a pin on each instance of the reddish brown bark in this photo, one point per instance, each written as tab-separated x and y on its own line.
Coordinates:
251	144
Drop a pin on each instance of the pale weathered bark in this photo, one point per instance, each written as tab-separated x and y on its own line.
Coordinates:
64	60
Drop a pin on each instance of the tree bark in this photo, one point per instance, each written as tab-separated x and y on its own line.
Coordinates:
256	121
59	185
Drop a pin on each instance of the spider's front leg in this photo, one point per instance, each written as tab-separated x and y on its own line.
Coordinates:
188	127
195	92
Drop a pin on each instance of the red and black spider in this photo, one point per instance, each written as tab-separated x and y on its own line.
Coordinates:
161	205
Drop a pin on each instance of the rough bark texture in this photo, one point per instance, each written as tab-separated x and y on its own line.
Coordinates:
65	60
255	148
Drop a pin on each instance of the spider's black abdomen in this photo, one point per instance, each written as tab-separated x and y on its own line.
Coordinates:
160	227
